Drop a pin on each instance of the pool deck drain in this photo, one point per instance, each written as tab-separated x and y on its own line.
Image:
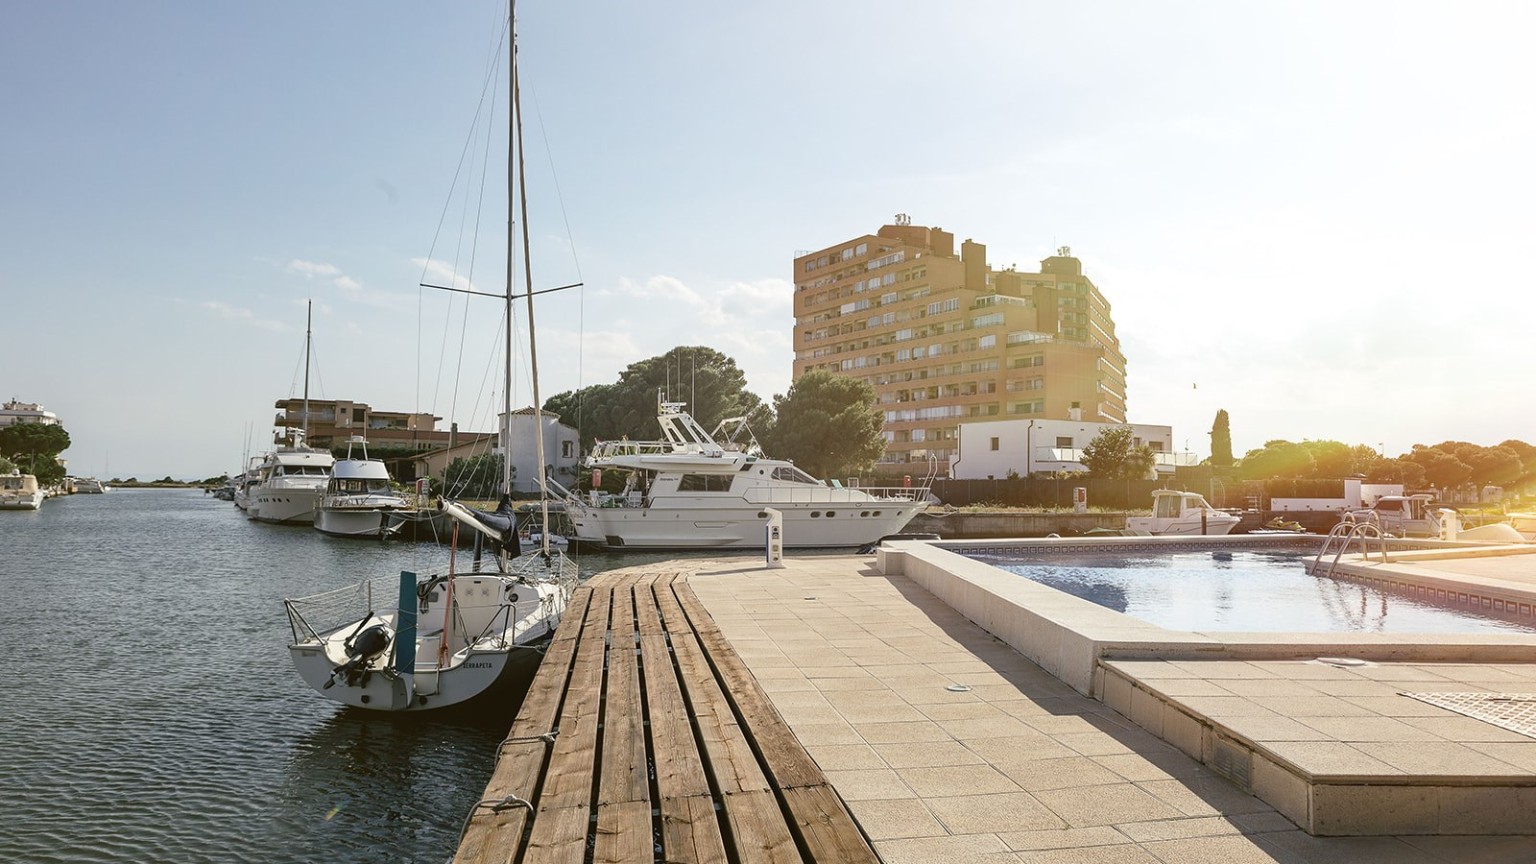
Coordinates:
1513	711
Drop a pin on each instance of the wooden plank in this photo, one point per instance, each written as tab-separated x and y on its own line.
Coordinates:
624	834
690	831
569	777
491	836
559	835
758	830
689	827
784	758
825	827
823	824
623	775
727	753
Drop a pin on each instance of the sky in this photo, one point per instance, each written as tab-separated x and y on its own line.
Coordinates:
1316	216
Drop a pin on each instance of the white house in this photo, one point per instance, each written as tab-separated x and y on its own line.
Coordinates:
562	449
993	448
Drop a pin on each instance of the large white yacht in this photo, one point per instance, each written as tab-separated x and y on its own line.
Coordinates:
289	483
358	500
691	491
20	492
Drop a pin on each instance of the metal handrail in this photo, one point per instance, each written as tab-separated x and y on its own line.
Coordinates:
1346	533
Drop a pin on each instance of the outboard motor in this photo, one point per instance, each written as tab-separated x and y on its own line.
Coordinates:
362	648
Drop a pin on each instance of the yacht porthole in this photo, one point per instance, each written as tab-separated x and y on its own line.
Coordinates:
831	513
815	514
877	513
864	514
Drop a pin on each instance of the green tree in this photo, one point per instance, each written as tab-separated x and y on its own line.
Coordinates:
709	382
827	425
1112	455
478	477
1410	474
1441	469
6	465
35	447
1330	459
1276	459
1221	441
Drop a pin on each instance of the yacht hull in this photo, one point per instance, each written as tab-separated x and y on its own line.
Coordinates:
806	526
368	522
285	506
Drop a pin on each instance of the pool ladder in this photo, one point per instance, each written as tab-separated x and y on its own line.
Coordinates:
1346	533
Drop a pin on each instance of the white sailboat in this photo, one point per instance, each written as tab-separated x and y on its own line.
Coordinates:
439	640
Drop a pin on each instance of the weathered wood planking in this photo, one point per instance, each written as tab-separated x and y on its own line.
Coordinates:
690	831
496	837
624	791
825	827
573	762
684	728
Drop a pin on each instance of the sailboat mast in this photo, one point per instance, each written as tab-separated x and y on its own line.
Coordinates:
533	353
309	311
506	381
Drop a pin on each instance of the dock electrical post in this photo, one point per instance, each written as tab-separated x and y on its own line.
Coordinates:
773	538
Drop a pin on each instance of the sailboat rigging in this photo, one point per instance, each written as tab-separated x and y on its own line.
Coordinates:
400	659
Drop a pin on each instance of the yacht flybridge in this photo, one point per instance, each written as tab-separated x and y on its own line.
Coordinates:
695	491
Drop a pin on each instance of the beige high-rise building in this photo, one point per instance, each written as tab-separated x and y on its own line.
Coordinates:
943	338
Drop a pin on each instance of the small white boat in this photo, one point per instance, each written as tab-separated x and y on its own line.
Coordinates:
358	500
86	486
691	491
20	492
1182	513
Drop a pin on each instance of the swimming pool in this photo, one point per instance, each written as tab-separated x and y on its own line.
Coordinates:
1239	590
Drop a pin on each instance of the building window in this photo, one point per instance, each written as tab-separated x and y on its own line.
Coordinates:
994	443
567	449
1063	441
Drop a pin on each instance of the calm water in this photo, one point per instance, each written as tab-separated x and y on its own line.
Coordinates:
153	714
1244	591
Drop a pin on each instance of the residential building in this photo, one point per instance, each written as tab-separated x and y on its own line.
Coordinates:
16	411
944	338
333	421
999	448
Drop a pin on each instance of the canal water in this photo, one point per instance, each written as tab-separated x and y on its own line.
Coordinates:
152	714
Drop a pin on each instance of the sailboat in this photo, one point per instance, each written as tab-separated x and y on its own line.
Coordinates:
432	641
292	476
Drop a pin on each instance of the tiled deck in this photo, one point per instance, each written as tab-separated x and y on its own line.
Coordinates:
949	746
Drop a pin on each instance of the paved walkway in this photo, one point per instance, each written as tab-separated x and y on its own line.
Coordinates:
948	746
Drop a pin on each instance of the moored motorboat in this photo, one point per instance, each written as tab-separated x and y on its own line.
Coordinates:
1182	513
358	500
20	491
691	491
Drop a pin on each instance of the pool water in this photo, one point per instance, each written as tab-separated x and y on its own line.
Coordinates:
1244	591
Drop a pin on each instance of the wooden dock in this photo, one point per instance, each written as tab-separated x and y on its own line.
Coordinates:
644	738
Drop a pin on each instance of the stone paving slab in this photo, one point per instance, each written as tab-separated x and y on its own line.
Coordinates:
1022	768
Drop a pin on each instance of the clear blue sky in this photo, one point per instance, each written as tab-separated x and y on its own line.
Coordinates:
1314	215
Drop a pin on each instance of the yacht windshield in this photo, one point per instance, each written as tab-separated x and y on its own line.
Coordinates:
793	475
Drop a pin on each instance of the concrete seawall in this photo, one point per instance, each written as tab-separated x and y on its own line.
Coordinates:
972	525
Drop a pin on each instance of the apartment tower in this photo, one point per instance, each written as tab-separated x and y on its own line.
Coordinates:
945	339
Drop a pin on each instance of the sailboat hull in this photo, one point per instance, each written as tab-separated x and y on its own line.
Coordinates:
819	525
